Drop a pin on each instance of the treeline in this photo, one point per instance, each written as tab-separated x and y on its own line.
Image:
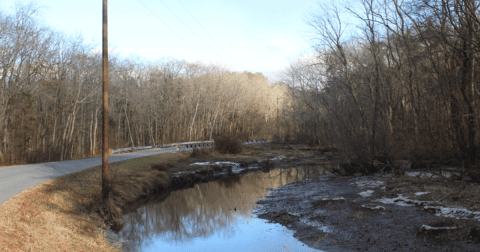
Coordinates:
51	96
406	86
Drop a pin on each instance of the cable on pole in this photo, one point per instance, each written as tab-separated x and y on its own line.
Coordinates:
204	28
170	28
190	29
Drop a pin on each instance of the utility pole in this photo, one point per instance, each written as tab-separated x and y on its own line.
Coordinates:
105	152
278	125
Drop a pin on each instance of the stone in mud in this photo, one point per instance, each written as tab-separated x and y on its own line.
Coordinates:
474	235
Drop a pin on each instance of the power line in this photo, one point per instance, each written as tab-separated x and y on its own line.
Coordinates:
203	28
170	28
190	28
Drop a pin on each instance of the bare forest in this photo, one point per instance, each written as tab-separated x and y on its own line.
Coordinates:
50	106
405	86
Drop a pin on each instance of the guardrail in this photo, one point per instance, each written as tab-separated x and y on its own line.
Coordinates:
191	145
184	145
257	141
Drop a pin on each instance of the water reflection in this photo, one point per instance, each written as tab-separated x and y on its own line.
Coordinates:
206	210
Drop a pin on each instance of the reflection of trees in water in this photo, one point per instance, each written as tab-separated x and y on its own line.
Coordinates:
205	209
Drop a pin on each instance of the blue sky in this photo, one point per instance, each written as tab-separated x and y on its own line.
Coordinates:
257	36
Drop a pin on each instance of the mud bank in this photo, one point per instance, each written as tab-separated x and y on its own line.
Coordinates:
351	214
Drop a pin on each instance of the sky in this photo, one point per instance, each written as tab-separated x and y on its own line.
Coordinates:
244	35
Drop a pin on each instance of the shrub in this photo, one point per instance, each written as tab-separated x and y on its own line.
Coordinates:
228	145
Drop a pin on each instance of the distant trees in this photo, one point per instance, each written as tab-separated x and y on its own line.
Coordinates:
50	97
406	86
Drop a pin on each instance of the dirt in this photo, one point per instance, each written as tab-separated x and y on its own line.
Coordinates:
329	213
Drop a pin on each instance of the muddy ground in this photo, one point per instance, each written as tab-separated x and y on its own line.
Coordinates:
410	212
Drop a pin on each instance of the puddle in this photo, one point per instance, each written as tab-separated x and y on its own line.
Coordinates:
214	216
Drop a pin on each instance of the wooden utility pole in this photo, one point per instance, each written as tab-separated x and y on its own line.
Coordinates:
105	182
278	123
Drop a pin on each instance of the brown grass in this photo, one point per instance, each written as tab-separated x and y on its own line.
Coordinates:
198	153
62	214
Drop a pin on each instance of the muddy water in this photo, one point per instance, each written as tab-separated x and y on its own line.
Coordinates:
214	216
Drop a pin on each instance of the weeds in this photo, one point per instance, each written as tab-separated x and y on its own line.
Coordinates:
199	153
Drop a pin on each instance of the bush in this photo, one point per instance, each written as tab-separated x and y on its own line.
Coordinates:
228	145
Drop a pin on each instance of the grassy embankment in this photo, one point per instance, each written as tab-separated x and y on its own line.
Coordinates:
62	213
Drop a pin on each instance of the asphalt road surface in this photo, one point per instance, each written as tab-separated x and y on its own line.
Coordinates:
15	179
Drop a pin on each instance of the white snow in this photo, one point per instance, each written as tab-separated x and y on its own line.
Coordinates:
334	198
220	163
235	166
278	158
421	193
427	227
201	163
446	174
366	193
225	163
453	212
423	174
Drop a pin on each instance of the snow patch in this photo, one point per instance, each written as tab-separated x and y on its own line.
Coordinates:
452	212
201	163
334	198
421	193
421	174
366	193
220	163
278	158
427	227
226	163
235	166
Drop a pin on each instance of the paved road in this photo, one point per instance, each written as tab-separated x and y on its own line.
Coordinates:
15	179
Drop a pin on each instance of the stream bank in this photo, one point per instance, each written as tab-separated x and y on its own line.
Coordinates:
415	210
367	214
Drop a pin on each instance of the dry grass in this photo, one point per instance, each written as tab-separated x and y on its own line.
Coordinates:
62	214
198	153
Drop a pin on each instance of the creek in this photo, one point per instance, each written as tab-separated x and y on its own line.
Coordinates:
215	216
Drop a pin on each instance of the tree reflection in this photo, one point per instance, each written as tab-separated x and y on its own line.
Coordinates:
204	210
